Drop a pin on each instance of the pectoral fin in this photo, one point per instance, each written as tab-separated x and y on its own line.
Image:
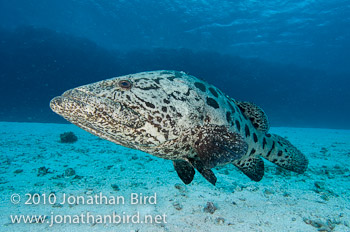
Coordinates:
214	145
217	146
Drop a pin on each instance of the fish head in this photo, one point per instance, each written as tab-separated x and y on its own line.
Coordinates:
139	111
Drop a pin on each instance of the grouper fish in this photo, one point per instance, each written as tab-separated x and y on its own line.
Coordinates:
176	116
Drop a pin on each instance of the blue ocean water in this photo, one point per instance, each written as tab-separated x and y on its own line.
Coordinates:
290	57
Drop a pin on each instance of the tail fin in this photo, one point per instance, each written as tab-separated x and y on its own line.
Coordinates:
281	152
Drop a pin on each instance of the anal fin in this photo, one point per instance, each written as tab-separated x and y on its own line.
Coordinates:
251	166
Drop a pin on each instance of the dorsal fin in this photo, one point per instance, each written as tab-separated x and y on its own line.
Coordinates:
255	114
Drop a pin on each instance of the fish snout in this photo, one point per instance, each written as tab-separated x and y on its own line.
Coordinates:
56	103
67	93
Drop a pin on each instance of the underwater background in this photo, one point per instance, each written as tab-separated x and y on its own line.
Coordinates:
290	57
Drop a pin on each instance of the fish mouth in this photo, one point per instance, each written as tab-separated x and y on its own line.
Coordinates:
74	103
69	103
100	116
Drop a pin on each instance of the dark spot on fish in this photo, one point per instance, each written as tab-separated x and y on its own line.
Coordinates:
255	137
264	143
228	117
166	72
178	74
274	160
207	119
232	108
256	125
141	79
157	80
164	109
166	101
200	86
128	97
238	125
177	95
269	153
213	92
273	147
150	105
149	87
253	151
171	78
247	131
268	135
280	153
211	102
166	134
176	152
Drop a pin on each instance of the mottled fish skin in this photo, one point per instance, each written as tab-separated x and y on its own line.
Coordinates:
179	117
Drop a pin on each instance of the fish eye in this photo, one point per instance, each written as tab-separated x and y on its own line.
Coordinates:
125	84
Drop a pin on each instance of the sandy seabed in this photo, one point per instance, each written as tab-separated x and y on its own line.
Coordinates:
107	187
